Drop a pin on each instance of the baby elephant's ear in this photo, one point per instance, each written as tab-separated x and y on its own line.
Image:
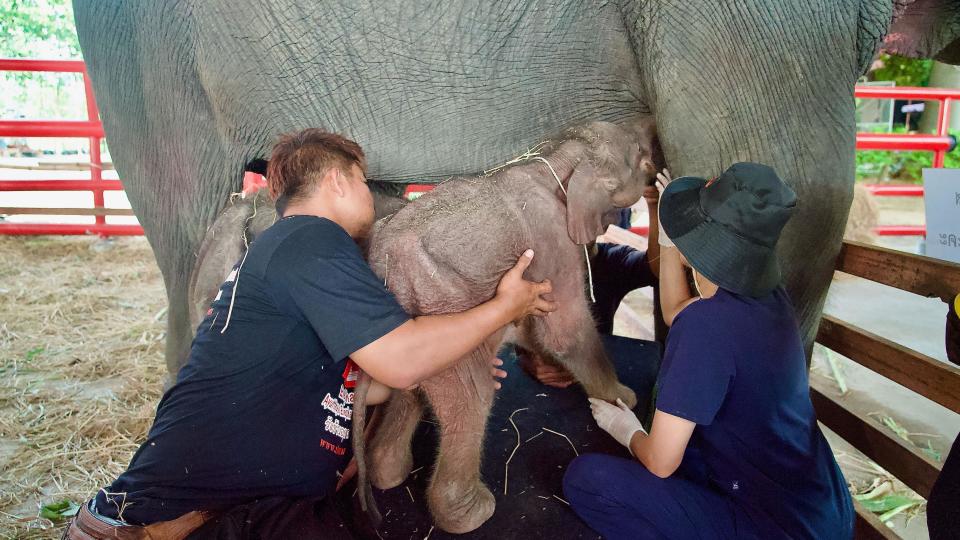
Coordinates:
587	202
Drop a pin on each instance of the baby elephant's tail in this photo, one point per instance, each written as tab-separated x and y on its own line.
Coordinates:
367	502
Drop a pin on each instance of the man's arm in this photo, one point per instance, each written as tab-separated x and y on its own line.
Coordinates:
425	346
662	450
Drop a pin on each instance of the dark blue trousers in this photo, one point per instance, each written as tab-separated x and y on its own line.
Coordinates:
620	498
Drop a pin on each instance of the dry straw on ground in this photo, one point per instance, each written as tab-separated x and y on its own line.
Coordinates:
81	369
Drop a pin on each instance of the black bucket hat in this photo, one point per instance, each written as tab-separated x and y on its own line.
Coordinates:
728	228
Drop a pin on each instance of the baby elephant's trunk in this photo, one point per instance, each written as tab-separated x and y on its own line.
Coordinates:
367	502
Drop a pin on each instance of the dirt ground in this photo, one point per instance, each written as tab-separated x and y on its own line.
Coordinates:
81	369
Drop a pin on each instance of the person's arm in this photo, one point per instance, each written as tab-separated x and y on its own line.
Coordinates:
427	345
674	289
662	450
652	195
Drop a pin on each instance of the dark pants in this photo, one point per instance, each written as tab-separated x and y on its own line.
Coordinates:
620	498
943	519
277	518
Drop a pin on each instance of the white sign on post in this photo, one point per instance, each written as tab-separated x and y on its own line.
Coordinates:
941	196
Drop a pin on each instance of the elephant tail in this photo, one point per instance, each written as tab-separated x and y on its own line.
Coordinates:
367	502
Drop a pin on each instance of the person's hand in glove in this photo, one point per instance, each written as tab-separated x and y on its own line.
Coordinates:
617	420
660	452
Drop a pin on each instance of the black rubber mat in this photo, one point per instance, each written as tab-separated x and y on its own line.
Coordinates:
533	506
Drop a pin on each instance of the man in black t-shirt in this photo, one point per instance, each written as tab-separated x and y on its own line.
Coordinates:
251	438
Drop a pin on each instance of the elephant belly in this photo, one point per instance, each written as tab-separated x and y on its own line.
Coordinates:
443	90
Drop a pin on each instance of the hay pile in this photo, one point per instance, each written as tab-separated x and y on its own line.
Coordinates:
81	369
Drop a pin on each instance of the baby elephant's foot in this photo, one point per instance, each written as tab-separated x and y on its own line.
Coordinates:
460	508
627	395
390	466
621	392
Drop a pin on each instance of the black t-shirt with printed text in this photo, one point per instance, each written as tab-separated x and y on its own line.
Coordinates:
263	406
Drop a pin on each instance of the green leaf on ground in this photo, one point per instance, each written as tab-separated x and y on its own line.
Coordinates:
34	352
896	428
837	369
931	453
59	511
886	503
903	507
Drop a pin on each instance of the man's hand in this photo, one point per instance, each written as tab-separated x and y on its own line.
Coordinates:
652	195
522	297
539	369
497	372
617	420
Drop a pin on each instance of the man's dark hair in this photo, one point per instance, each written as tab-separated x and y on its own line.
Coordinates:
300	159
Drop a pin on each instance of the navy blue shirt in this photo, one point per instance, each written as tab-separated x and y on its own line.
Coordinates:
263	406
736	367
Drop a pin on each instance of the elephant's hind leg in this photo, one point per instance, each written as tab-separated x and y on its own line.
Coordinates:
391	459
461	398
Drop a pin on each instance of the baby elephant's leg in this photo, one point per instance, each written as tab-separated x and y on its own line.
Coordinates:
391	458
461	398
570	337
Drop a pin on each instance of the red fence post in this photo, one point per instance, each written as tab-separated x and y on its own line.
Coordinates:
91	128
96	165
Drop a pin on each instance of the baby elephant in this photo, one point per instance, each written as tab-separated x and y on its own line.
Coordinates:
447	251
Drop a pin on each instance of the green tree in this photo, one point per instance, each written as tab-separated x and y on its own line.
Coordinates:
903	71
31	26
39	29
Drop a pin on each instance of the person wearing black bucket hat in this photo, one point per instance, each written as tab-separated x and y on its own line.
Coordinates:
734	450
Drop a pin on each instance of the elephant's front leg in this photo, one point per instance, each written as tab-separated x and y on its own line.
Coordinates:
390	454
569	336
461	398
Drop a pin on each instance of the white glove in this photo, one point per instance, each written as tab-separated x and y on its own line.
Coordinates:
663	178
617	420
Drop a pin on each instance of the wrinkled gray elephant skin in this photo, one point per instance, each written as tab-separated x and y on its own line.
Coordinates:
189	91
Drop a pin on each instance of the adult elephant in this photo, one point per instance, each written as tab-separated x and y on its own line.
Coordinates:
191	90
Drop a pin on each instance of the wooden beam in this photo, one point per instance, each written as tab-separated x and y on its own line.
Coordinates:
902	459
924	375
869	527
66	211
914	273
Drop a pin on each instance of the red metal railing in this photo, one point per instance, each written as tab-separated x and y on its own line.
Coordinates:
939	143
91	129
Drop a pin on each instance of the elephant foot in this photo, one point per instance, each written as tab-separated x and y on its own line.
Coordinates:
628	396
459	508
618	391
390	466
